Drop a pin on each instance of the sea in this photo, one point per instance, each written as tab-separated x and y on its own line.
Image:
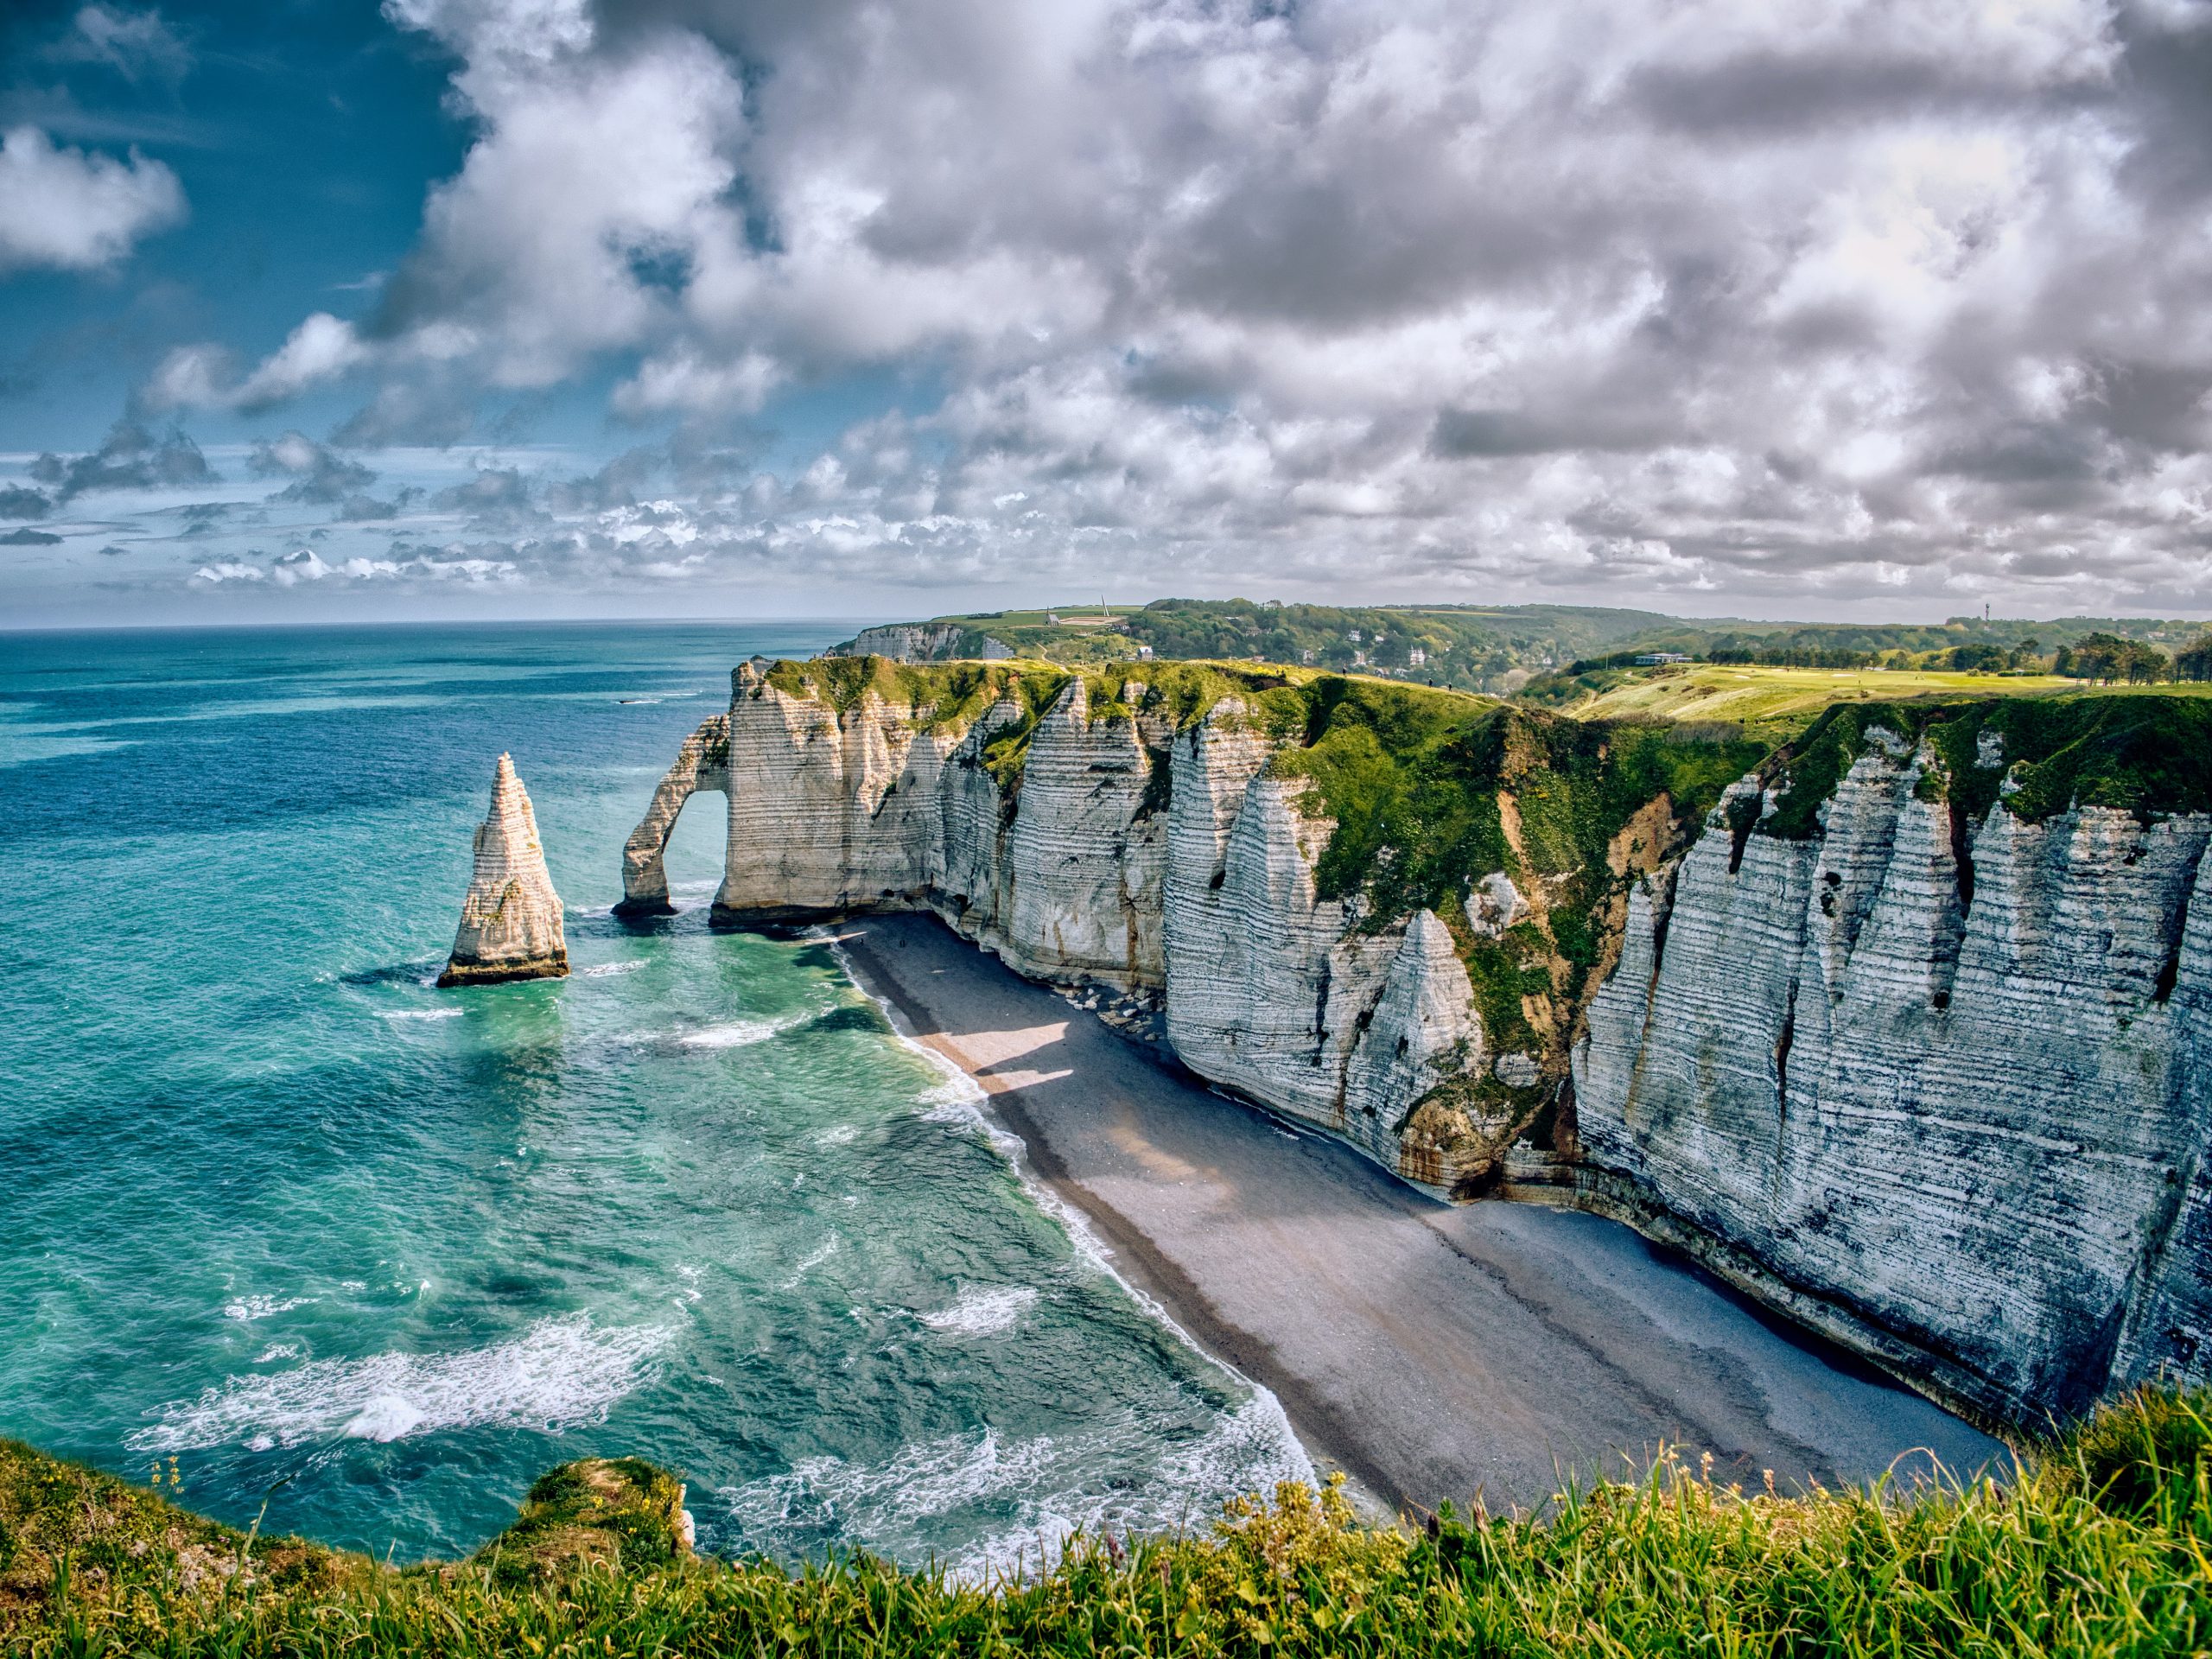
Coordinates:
305	1239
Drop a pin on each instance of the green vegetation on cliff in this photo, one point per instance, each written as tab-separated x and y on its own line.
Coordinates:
2144	753
2098	1548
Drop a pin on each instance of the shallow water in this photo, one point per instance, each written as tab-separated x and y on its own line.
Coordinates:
278	1209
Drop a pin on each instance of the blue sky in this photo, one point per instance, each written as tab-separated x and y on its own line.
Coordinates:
764	307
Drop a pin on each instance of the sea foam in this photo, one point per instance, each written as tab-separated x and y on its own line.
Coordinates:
983	1311
559	1372
1025	1498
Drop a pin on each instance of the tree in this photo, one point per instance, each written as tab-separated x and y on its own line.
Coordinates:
2108	657
2193	661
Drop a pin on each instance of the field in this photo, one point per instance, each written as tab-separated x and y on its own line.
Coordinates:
1773	704
2096	1548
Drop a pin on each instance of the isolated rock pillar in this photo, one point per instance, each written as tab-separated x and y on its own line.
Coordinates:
511	921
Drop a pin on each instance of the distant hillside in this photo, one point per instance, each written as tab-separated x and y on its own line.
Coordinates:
1467	647
1497	649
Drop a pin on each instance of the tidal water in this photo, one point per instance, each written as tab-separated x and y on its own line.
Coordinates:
376	1255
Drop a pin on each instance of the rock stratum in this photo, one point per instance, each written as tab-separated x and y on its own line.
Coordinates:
1902	1028
511	925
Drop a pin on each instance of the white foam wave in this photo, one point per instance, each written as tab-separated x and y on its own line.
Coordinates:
608	969
559	1372
813	1261
983	1311
260	1307
422	1013
838	1134
1026	1498
741	1033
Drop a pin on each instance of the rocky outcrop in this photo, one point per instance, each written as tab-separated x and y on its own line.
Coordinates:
1935	1086
511	921
702	763
924	642
1915	1047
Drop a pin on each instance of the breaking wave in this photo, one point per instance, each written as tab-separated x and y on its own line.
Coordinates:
1021	1499
983	1311
559	1372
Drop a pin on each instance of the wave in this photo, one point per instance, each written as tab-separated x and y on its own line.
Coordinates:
742	1033
1027	1497
812	1262
421	1014
608	969
983	1311
260	1307
560	1372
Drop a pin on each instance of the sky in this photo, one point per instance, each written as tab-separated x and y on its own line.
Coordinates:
314	311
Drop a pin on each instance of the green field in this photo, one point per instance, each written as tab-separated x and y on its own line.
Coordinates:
2096	1548
1773	704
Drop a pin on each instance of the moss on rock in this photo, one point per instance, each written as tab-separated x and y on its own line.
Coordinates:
620	1512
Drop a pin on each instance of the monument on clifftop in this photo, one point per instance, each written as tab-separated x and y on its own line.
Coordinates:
511	921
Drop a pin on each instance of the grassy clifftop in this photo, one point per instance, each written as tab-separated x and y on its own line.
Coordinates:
2147	752
2098	1548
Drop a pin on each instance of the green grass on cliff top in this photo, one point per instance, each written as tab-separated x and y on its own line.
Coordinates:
2096	1548
1774	704
2147	752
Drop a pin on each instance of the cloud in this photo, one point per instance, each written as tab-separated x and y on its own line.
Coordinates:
318	473
132	458
78	210
1718	299
137	45
27	537
16	502
321	349
408	567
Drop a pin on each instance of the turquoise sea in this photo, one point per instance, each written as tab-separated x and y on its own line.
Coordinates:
376	1255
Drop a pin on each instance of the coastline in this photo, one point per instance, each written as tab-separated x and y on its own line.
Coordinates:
1432	1352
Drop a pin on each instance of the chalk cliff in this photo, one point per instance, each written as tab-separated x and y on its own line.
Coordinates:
510	919
1929	1076
1904	1029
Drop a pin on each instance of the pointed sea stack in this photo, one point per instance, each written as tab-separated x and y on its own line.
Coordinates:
511	921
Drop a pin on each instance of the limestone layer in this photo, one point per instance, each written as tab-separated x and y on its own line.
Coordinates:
1935	1086
511	920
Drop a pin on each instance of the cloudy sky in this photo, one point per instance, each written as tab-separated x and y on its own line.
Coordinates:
718	307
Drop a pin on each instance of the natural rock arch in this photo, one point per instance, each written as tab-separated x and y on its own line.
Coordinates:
702	763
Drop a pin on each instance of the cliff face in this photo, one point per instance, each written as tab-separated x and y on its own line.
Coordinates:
510	925
1933	1081
1902	1031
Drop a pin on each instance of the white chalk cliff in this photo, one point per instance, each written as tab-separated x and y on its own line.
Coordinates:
1937	1088
511	920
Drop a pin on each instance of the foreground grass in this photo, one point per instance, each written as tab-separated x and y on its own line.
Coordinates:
2100	1549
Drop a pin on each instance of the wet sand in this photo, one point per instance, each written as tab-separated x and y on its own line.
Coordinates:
1431	1351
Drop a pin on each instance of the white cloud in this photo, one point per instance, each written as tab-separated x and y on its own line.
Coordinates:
134	44
321	349
1726	297
78	210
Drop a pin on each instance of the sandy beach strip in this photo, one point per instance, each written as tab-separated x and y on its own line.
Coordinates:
1431	1351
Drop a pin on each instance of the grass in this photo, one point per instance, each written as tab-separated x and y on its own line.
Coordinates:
1770	703
2098	1548
2142	750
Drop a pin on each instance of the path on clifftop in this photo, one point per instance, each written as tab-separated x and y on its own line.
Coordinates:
1434	1352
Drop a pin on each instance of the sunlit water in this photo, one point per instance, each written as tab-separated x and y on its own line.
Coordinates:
273	1206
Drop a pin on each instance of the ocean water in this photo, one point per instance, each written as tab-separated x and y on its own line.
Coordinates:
378	1255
